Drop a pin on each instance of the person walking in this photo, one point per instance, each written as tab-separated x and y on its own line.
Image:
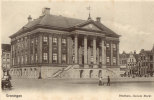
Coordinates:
100	81
108	81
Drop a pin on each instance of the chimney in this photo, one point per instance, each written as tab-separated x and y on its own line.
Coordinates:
98	19
29	18
46	11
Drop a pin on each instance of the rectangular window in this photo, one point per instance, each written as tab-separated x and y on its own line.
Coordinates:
63	58
114	60
107	59
18	59
36	41
54	41
107	45
91	59
45	40
4	59
54	57
151	57
32	42
32	58
45	57
25	59
22	59
36	58
114	46
13	61
63	41
8	60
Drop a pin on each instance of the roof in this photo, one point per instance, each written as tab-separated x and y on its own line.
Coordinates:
6	47
124	55
136	56
61	22
145	51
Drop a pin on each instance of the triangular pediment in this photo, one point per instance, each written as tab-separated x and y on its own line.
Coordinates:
90	26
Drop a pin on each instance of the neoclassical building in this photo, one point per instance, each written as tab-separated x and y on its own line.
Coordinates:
60	47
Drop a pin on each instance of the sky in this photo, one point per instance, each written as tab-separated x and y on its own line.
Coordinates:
133	20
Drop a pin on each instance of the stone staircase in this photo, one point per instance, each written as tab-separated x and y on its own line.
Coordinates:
108	72
60	71
73	71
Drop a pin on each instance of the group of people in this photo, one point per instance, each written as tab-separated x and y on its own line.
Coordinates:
102	83
6	83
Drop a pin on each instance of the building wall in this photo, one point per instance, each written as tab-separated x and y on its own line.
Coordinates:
58	48
5	60
145	63
131	64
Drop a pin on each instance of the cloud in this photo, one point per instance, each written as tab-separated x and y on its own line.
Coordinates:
131	38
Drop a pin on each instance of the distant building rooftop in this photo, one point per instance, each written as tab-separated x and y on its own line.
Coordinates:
6	47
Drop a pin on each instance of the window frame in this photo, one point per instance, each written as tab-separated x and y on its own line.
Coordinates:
55	40
45	39
54	57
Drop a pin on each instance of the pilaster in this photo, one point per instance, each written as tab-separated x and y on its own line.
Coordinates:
50	49
59	49
68	50
33	50
40	48
117	54
111	60
28	46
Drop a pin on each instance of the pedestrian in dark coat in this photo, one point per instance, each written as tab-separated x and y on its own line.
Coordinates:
108	81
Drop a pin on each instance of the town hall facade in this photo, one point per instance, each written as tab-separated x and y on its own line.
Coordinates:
60	47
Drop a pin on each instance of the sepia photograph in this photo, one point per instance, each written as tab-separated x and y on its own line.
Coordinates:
77	50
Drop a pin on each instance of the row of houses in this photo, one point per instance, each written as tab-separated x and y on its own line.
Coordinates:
141	64
5	57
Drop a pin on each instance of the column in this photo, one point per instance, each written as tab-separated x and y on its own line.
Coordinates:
80	55
71	51
97	56
89	55
59	49
85	50
40	48
50	49
111	54
76	48
28	48
117	54
94	50
68	50
34	50
103	54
